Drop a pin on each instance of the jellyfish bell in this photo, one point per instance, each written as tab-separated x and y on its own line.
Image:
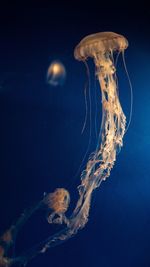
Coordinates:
56	74
57	204
99	43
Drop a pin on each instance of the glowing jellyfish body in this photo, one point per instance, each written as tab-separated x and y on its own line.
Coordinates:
56	74
100	47
57	204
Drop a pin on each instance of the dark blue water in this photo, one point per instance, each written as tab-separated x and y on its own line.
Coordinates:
42	146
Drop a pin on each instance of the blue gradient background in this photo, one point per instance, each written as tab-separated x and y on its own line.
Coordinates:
41	145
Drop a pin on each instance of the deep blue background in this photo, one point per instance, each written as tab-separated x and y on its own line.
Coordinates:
41	145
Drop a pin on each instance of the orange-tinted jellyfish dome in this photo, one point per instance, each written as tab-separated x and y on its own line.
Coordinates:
101	42
58	201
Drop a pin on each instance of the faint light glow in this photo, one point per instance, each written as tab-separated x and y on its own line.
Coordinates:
56	74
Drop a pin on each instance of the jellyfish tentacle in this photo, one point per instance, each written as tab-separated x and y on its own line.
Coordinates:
131	92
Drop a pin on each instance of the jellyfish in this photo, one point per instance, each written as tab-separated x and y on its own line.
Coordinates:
57	204
101	47
56	73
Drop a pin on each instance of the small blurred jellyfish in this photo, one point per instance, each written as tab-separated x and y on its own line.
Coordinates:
56	74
